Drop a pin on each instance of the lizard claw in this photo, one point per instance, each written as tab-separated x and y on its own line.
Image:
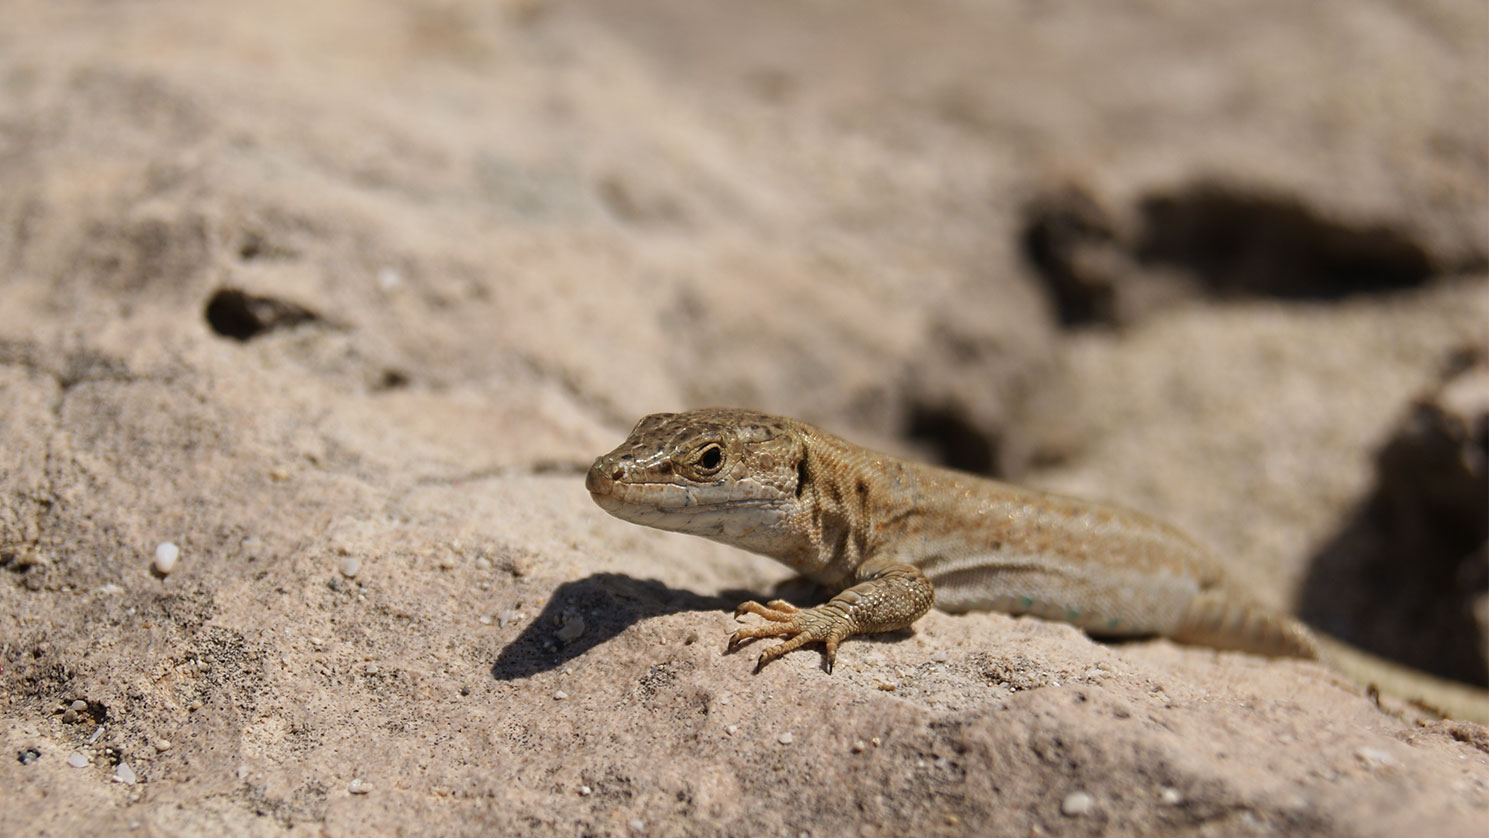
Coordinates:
798	626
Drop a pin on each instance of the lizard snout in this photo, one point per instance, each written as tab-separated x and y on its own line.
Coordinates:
597	481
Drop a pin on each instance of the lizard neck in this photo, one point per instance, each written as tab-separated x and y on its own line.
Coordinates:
830	525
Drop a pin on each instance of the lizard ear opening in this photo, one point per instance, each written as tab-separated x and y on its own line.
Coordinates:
801	476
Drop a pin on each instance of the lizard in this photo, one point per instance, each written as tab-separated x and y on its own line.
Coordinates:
894	537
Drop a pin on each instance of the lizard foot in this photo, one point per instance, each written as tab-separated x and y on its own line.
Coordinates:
800	626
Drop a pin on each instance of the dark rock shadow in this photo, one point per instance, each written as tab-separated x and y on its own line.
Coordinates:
1406	576
608	604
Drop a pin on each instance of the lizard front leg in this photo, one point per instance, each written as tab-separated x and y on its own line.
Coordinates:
886	596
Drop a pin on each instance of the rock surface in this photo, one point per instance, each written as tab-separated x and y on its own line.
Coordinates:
340	298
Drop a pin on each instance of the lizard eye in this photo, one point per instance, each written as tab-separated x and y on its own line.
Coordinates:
710	458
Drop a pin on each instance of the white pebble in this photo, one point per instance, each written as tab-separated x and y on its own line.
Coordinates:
560	695
166	556
585	791
79	705
637	825
77	760
162	745
124	774
859	746
731	730
1170	796
1375	756
940	656
370	669
358	786
350	566
786	738
1077	803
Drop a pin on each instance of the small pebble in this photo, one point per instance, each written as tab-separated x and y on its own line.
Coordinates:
1077	803
1375	756
572	630
637	825
786	738
252	547
731	730
1170	796
166	556
124	774
370	668
97	732
28	756
940	656
484	620
483	563
560	695
350	566
77	761
242	772
585	791
69	716
859	746
358	786
162	745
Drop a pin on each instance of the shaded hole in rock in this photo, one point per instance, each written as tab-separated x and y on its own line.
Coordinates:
1241	243
252	247
1402	578
1059	229
236	314
391	379
957	442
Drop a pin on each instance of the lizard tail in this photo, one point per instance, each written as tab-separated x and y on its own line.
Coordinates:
1447	698
1223	620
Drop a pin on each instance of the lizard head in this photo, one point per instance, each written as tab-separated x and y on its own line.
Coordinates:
722	473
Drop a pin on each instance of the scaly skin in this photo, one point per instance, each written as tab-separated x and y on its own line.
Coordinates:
895	537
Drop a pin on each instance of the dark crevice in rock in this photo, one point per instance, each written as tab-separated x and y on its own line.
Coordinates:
956	440
1225	242
1241	243
1060	229
1408	576
241	316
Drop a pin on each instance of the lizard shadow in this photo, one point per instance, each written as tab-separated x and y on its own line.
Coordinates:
607	604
